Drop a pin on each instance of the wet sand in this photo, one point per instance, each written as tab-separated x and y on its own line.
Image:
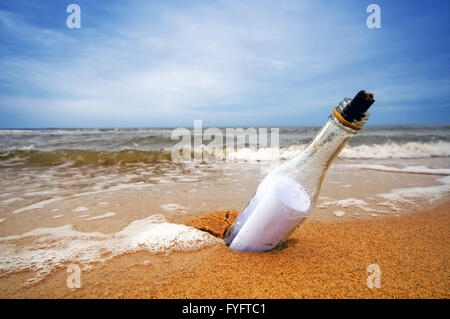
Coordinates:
322	259
396	218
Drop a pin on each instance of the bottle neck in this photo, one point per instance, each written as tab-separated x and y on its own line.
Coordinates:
310	167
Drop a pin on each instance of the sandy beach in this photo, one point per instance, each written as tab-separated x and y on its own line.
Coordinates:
139	229
320	260
224	149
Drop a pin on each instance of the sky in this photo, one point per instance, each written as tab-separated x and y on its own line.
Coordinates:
228	63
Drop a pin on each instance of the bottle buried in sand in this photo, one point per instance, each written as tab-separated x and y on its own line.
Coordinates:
286	196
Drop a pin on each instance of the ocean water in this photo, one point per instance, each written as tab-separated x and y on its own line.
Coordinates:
150	145
86	195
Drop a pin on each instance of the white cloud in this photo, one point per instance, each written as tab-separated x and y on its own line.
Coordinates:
218	61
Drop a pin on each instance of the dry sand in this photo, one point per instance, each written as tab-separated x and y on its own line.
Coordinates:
320	260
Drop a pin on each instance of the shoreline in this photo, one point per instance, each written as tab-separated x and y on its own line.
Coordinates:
320	260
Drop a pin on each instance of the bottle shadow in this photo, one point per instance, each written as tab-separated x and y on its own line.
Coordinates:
287	243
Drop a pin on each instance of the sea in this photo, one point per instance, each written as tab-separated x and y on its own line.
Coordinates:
108	146
86	195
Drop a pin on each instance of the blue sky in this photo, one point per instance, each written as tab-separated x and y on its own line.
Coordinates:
228	63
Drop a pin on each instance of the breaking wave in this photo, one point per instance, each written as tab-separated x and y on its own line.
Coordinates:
245	154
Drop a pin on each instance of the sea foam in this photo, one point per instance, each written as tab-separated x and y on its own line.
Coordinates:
427	194
48	248
407	169
376	151
40	204
105	215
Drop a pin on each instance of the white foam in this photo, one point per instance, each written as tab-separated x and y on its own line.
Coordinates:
80	209
373	210
2	220
57	216
339	213
344	203
12	200
430	194
37	205
172	207
351	203
98	186
129	186
105	215
186	179
390	206
89	193
119	187
394	150
47	248
407	169
418	195
38	193
388	150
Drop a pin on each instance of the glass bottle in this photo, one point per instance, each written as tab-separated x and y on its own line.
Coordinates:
287	195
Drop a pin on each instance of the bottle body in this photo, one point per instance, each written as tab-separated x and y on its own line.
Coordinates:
286	196
274	211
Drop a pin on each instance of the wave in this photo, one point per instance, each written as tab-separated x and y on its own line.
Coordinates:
247	154
375	151
117	139
81	157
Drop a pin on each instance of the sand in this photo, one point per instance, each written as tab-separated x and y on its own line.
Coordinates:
215	223
320	260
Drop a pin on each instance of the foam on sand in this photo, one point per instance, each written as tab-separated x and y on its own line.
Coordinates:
344	203
80	209
12	200
37	205
422	194
40	193
351	203
172	207
48	248
407	169
105	215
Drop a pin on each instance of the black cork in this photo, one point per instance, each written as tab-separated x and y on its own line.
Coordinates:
354	111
